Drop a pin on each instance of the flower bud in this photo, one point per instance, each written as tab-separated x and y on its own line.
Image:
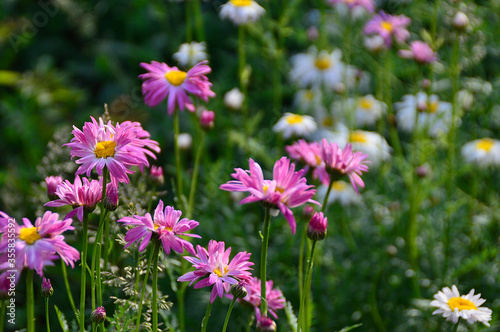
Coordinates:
316	230
238	290
266	324
207	119
308	212
460	21
233	99
422	171
98	315
52	183
156	176
47	289
185	141
111	199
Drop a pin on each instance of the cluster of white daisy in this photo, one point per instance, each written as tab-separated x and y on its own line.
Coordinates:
241	11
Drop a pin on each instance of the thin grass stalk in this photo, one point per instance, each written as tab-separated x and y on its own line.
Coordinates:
228	314
301	259
194	180
198	21
83	275
156	254
68	289
30	301
189	31
204	322
143	289
263	263
178	157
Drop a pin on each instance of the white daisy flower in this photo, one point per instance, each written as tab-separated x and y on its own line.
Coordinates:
367	109
242	11
295	125
308	99
483	152
432	115
341	192
185	141
234	98
316	69
190	54
453	306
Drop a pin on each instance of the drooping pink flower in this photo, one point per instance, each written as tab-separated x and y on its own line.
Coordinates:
274	297
388	26
420	51
162	81
214	264
52	183
166	225
368	5
339	163
116	147
80	195
37	245
287	190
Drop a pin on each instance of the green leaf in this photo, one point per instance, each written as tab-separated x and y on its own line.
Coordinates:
62	319
290	316
352	327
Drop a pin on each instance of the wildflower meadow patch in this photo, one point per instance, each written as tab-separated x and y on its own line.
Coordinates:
243	165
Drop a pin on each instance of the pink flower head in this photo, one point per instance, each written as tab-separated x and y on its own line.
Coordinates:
215	265
368	5
274	297
340	162
163	81
387	26
288	189
166	225
80	195
317	227
207	119
36	246
117	147
420	51
306	152
266	324
156	175
111	199
52	183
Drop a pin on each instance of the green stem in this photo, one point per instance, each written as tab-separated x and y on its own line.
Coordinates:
181	298
47	313
325	201
189	31
107	242
30	299
390	111
307	288
198	20
2	314
301	259
277	93
455	326
263	263
177	157
144	284
194	180
412	234
68	289
204	323
93	268
228	314
156	254
241	69
83	274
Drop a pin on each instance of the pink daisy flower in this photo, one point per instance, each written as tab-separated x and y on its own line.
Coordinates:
166	225
80	195
368	5
215	265
274	297
117	147
161	81
287	190
37	246
420	51
387	26
339	163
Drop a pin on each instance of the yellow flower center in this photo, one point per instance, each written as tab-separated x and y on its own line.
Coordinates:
366	103
294	119
322	63
357	137
29	235
105	149
175	77
387	26
308	95
339	185
433	107
461	304
485	144
241	3
218	272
